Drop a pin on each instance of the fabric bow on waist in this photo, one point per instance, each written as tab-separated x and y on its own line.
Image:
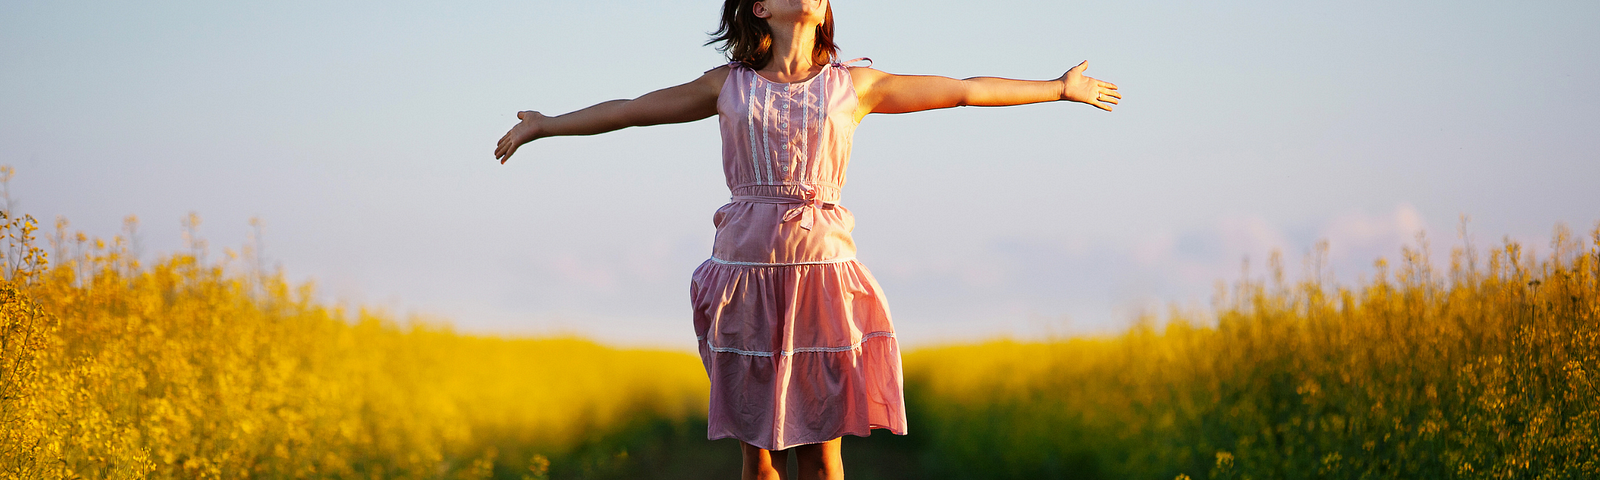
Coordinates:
805	211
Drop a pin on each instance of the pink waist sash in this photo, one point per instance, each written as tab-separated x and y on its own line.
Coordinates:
806	206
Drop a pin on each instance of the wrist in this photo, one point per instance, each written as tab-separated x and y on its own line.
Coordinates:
543	126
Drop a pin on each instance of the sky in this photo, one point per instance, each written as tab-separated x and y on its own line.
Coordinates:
361	134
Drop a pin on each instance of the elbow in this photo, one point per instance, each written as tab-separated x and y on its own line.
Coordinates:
966	95
972	93
625	116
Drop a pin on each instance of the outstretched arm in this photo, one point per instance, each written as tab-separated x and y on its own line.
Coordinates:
886	93
684	103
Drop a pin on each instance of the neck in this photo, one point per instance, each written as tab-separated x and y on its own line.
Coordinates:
792	48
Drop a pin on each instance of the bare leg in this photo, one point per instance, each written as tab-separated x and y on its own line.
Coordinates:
761	464
820	461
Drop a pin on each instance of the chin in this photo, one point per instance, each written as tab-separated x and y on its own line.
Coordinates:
814	10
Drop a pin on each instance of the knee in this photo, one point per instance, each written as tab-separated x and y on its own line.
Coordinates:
820	460
759	464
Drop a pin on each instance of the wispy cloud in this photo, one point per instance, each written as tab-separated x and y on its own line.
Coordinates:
1095	286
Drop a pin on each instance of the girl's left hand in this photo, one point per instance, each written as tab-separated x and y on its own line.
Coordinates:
524	132
1078	87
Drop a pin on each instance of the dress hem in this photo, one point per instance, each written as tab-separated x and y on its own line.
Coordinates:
854	433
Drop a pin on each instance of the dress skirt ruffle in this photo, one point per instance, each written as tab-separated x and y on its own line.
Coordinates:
796	354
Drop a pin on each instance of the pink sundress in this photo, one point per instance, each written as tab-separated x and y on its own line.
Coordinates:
793	331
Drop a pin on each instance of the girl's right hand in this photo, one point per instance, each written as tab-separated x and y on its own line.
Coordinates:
691	101
524	132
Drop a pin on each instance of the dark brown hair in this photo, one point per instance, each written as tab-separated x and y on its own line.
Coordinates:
747	39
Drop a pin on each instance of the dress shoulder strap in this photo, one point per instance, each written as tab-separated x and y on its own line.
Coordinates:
848	63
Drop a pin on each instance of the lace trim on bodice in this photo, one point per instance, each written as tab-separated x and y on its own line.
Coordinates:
790	142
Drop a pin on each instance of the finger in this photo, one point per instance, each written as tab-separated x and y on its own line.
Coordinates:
1101	106
1105	84
504	145
520	115
1111	93
509	153
1105	99
1076	71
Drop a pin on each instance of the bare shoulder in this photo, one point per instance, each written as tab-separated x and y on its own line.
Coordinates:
865	80
714	78
866	76
866	72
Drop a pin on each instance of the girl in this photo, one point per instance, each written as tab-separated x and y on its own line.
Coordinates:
793	332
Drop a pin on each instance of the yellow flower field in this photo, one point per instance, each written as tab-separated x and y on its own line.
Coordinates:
181	368
113	369
1486	371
